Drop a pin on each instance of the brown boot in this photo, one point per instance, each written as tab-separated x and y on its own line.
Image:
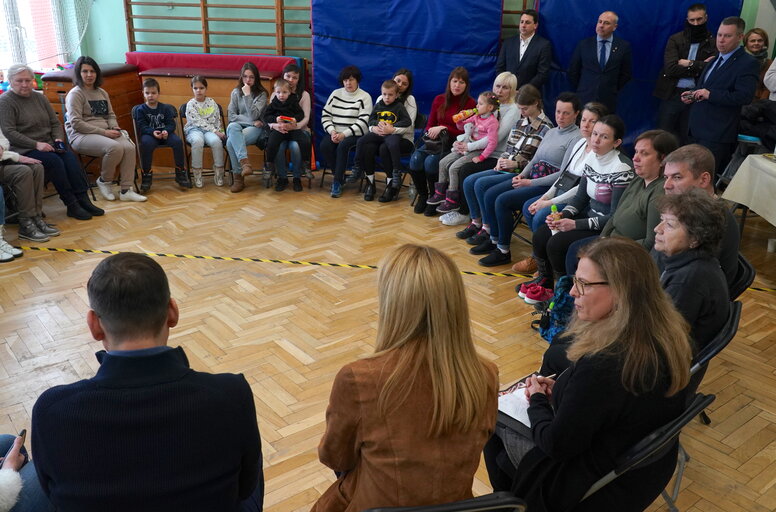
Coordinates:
238	184
526	266
247	170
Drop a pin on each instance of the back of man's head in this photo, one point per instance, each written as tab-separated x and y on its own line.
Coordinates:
130	294
697	158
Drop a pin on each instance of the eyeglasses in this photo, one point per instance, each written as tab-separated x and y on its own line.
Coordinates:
580	284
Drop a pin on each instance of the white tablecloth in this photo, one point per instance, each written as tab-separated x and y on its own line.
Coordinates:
754	185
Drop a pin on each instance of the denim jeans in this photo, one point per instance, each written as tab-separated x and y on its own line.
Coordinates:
281	166
238	138
31	497
198	137
500	205
424	168
537	219
470	187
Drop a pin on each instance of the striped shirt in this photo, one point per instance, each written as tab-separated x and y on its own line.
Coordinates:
347	112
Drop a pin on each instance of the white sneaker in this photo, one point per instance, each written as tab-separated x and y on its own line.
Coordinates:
5	257
131	195
7	249
218	176
197	175
442	217
105	190
455	219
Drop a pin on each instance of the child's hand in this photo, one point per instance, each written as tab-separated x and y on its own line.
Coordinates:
158	134
258	124
476	159
165	134
221	135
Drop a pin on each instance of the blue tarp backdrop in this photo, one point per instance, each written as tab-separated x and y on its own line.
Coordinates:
431	38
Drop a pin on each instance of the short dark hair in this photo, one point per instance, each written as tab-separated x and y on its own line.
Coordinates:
349	72
596	108
151	82
703	216
84	59
292	68
698	158
735	20
697	7
615	123
390	84
529	95
662	141
130	294
532	13
198	78
569	97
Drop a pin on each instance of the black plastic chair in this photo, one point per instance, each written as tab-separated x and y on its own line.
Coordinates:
653	447
187	146
495	502
745	274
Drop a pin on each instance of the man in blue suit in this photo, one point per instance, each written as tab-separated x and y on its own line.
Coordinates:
528	55
727	84
601	65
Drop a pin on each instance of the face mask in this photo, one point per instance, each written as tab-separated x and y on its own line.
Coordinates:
698	33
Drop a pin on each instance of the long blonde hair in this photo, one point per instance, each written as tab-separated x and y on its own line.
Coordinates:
644	328
424	322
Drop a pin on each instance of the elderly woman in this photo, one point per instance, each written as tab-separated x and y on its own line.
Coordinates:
500	196
688	235
93	130
424	164
32	127
344	119
424	392
630	365
24	175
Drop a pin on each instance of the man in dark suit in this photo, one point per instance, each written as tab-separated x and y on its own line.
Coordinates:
686	55
528	55
147	432
601	65
727	84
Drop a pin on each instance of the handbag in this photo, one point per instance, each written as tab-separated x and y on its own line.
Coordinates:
435	146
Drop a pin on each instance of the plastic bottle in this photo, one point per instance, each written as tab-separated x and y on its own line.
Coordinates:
464	114
554	215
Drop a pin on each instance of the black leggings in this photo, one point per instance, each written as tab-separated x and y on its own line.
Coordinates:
553	248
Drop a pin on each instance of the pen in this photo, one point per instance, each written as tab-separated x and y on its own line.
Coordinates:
521	385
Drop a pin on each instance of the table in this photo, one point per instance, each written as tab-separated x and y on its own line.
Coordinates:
754	186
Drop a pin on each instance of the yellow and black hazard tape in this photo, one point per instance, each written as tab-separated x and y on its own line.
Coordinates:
253	260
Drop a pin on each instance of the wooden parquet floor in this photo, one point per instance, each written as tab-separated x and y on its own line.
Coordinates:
289	328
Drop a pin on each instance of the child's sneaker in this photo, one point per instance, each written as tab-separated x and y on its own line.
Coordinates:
523	288
454	218
218	176
439	194
197	178
538	294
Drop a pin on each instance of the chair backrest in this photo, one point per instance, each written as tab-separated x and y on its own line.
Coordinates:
720	341
494	502
655	445
745	274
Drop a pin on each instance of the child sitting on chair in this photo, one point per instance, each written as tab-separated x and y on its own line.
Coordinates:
156	127
203	126
281	115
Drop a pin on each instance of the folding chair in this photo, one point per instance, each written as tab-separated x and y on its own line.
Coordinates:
229	177
168	175
744	277
11	207
518	218
653	447
290	166
89	159
494	502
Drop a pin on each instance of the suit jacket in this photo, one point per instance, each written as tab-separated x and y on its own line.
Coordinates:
678	47
595	84
533	68
389	461
730	87
148	433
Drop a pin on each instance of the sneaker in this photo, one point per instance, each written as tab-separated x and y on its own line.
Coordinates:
197	174
526	266
5	257
145	182
522	288
336	189
131	195
182	178
354	176
29	231
496	258
538	294
480	237
43	227
454	218
297	185
281	184
105	190
484	248
7	248
218	176
471	230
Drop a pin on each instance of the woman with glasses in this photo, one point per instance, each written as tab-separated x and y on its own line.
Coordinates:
630	364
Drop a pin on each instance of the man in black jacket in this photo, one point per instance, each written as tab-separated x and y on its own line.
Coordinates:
147	432
686	55
528	55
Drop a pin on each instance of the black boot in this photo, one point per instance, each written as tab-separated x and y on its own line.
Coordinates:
145	182
420	203
545	273
281	184
86	204
182	178
430	210
390	193
77	212
369	192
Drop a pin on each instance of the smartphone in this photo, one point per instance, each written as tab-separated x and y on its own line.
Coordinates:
23	435
59	146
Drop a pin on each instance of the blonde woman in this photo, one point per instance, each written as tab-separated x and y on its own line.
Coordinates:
630	362
406	425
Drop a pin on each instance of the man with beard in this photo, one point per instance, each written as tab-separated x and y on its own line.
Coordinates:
686	55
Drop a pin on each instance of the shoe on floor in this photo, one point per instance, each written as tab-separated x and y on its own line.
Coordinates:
420	203
281	184
7	248
483	248
455	218
182	178
369	191
238	183
77	212
522	288
526	266
354	176
430	210
538	294
496	258
480	237
44	227
336	189
197	175
29	231
145	182
218	176
5	257
131	195
105	190
390	193
298	185
471	230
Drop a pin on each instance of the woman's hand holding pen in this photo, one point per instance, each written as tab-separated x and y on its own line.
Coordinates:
539	384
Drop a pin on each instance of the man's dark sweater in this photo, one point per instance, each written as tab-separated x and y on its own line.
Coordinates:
148	433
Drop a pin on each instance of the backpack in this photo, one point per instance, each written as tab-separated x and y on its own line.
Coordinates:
556	315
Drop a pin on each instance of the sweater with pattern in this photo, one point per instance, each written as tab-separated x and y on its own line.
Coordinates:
89	112
204	115
347	112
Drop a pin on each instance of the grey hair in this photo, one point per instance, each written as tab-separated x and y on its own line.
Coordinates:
15	69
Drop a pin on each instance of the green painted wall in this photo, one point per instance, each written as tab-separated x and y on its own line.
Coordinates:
106	35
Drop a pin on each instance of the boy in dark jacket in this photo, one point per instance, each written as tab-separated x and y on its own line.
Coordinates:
281	115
